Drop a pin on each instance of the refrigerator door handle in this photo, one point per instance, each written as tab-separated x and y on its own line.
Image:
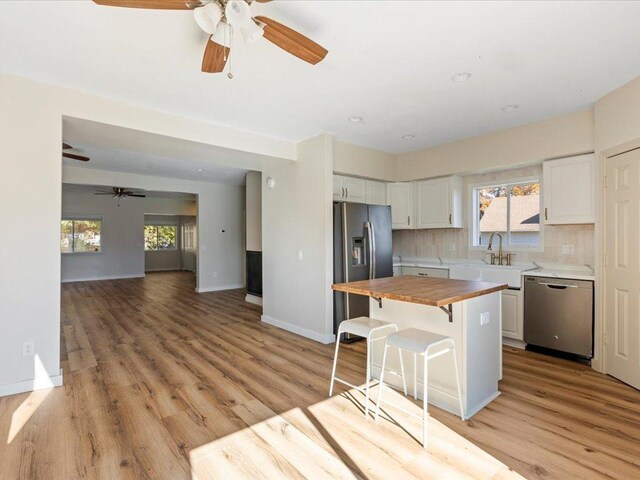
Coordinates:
373	250
370	247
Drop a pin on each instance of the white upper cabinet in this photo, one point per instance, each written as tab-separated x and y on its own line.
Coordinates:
400	197
568	190
376	193
439	203
348	189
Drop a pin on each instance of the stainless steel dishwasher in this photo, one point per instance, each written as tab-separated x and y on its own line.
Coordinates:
558	314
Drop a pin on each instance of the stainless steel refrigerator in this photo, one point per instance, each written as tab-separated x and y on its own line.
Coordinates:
362	249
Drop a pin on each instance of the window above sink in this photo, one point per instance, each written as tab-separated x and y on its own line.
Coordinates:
511	209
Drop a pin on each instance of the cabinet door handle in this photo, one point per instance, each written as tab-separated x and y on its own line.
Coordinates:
408	220
423	274
347	190
449	219
342	192
546	216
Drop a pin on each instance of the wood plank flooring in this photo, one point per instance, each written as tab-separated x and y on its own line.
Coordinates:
164	383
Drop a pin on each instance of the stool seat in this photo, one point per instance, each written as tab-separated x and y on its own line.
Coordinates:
416	340
362	326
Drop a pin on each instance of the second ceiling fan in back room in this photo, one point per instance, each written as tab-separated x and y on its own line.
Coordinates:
221	19
120	193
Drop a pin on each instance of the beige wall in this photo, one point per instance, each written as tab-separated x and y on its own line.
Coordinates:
254	211
453	243
557	137
350	159
617	117
298	216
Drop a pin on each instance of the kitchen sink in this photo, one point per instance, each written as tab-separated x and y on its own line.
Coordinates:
509	274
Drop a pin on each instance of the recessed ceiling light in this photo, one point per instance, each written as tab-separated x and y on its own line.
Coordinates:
510	108
461	77
199	169
408	137
356	119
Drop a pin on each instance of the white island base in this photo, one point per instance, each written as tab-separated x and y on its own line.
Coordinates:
478	349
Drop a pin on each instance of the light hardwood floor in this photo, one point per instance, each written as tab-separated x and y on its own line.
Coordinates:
161	382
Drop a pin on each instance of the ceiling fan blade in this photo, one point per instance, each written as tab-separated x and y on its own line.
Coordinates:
215	57
153	4
293	42
73	156
66	146
135	195
103	193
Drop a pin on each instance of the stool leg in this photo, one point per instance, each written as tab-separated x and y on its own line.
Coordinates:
404	378
368	376
424	404
381	384
415	376
335	364
455	364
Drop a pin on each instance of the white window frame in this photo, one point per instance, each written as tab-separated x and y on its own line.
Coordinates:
159	224
474	224
79	218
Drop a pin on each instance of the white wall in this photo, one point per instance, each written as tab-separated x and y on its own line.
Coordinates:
122	254
30	144
297	216
351	159
557	137
254	211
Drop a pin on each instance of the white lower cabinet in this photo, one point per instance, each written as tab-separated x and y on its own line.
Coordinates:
512	314
426	272
397	271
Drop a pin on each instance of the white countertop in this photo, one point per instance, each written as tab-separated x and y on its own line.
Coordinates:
572	272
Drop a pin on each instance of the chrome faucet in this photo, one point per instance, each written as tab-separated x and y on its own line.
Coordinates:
499	256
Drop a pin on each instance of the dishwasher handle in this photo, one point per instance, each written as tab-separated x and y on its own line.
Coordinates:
557	286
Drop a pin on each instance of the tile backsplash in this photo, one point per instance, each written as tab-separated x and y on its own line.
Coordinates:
454	242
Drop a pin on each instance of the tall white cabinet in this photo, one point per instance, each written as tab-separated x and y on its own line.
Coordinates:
569	190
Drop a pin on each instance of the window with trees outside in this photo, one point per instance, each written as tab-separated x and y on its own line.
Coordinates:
160	237
512	210
80	235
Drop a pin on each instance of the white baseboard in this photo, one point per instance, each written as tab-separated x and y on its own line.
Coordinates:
253	299
318	337
173	269
217	289
511	342
30	385
101	277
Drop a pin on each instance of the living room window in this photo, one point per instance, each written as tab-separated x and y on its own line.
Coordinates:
80	235
160	237
510	209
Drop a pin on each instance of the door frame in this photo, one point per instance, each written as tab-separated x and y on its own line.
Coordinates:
599	360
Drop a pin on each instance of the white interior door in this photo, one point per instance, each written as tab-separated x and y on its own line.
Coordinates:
622	267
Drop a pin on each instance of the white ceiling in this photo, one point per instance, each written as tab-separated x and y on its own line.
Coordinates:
131	151
389	62
75	188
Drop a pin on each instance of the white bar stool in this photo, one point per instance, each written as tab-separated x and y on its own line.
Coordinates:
420	342
364	327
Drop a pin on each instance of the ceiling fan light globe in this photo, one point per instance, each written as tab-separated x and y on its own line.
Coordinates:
251	32
208	17
238	13
223	35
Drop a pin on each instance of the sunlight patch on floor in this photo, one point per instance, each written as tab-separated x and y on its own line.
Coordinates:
332	439
42	385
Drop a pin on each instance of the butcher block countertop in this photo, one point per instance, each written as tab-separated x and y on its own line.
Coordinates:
436	292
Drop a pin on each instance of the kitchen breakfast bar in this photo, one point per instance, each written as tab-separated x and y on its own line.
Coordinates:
467	311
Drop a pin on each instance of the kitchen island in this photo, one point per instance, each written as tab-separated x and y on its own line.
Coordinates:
467	311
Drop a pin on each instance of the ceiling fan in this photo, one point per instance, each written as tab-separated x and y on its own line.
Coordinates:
73	156
221	18
120	193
